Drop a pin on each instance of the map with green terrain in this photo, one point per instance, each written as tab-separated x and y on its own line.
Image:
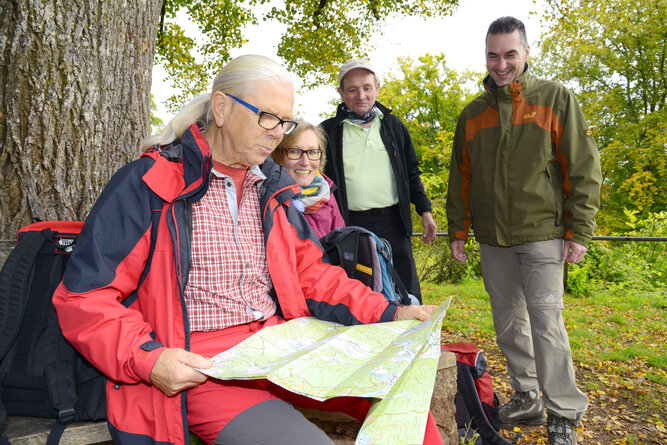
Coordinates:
394	363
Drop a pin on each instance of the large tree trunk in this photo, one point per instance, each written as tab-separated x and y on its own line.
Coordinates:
75	80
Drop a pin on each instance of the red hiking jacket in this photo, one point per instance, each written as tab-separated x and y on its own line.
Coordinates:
121	300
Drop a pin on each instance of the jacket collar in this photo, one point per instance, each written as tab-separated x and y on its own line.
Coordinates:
181	169
341	115
490	84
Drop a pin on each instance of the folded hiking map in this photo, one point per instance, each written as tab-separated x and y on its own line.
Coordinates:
394	363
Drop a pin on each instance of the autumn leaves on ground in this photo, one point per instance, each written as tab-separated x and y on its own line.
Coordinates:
618	349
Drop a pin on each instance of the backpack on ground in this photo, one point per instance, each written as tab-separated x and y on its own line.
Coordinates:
476	402
41	375
367	258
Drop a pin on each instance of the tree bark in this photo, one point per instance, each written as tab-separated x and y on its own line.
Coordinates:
75	81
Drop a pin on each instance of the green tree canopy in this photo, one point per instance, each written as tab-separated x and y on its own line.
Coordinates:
613	53
319	34
428	96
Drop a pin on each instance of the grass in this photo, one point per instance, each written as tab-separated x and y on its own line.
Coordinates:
469	312
617	340
620	328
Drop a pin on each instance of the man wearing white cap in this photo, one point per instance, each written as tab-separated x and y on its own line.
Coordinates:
375	167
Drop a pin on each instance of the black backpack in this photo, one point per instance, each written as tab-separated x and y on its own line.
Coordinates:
476	402
41	375
367	258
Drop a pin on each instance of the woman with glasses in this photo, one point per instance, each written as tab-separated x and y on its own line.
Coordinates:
302	154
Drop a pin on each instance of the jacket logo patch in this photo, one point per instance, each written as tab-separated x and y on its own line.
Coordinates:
530	116
588	132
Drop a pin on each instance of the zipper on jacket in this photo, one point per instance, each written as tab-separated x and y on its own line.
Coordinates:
187	216
553	194
182	274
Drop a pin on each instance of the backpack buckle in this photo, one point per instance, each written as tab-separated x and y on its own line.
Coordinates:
66	415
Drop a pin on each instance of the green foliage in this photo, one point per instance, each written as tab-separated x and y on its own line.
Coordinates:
191	64
612	53
626	267
579	277
637	270
635	165
318	35
470	437
435	262
428	96
156	122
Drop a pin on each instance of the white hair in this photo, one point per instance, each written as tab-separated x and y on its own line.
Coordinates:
237	77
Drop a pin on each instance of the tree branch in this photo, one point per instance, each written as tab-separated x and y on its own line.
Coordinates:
163	11
373	6
318	11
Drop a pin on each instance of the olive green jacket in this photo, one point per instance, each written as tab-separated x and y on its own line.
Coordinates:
524	166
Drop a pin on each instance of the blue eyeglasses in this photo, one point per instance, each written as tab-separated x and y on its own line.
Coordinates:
267	121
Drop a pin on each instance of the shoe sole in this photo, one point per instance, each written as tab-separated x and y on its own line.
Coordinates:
534	421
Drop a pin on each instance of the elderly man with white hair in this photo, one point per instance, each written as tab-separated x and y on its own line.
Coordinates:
193	248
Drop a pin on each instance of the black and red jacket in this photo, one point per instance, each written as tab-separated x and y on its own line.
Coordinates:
121	300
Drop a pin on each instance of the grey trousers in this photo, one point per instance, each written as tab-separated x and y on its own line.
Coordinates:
525	285
273	422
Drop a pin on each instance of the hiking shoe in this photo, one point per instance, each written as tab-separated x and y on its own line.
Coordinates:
523	408
561	430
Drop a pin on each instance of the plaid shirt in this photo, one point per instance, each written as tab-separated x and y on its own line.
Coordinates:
229	279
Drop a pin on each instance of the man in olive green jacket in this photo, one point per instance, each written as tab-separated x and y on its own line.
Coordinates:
525	175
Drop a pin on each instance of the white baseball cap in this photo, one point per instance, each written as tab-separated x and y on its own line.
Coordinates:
352	64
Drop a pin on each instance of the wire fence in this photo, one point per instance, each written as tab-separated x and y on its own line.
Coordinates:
595	238
7	245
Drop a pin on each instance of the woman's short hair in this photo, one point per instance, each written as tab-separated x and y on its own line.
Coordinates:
278	154
237	77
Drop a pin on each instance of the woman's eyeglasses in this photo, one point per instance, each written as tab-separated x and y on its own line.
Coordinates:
295	153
